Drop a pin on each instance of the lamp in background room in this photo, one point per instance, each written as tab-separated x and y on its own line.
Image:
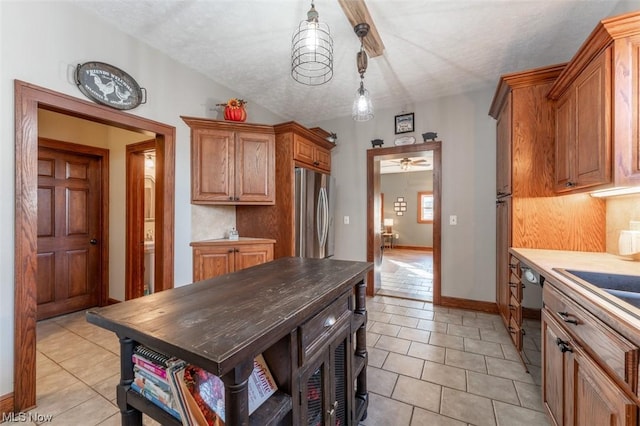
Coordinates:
388	226
312	51
362	109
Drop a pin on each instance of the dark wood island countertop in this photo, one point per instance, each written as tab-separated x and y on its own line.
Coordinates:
212	322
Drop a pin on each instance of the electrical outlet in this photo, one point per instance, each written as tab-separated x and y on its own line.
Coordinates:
453	219
346	220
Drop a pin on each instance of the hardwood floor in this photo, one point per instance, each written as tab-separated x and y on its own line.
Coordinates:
407	274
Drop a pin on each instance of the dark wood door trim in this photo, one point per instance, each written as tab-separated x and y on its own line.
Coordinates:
373	186
103	155
28	98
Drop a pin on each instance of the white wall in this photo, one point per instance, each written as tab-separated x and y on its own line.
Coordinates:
41	43
409	231
468	186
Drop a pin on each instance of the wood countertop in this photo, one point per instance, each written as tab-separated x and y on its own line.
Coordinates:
216	322
616	313
582	260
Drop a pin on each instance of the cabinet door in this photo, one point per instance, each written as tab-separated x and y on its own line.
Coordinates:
209	262
251	255
325	386
310	154
503	150
314	392
255	168
212	167
322	158
503	242
593	123
303	150
341	389
597	400
565	142
633	172
554	369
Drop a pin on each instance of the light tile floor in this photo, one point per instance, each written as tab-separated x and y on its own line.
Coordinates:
427	366
407	274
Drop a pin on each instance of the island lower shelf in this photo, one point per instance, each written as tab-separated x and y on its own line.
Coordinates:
278	306
271	412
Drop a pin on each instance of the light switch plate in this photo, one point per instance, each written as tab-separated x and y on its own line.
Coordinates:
346	220
453	219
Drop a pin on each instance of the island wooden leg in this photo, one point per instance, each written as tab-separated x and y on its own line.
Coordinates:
236	394
130	416
361	346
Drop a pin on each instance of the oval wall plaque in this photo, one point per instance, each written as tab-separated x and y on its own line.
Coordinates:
405	140
108	85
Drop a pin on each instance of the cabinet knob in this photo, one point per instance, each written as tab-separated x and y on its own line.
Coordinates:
230	250
230	198
329	321
570	184
237	199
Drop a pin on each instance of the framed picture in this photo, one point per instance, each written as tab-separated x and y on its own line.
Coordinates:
404	123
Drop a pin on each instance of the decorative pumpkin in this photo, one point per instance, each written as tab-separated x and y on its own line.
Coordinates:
235	114
234	110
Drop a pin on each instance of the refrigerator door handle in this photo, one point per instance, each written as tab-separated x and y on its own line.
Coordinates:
322	224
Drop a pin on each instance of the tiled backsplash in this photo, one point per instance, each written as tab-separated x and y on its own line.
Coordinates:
620	210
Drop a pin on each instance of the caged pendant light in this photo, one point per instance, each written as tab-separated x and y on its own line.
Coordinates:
362	109
312	51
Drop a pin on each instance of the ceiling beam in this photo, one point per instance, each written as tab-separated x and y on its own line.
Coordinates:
357	13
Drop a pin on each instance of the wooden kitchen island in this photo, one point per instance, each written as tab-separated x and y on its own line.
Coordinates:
306	316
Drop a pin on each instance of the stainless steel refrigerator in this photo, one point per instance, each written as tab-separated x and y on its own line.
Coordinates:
314	214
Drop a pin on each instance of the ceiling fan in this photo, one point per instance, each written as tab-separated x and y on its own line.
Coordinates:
407	163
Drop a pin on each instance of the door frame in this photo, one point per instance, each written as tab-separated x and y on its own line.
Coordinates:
373	194
135	224
28	98
103	223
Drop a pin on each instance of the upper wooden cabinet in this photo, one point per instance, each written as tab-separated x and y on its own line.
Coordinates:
503	149
311	154
597	110
231	163
583	144
524	133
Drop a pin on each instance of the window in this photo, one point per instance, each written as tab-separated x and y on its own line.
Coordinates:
425	207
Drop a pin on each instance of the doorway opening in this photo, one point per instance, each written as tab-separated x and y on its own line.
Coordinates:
29	99
377	229
141	232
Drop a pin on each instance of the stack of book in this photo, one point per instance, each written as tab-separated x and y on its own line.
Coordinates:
189	393
152	378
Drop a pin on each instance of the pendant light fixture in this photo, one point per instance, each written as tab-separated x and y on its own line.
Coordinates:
362	109
312	51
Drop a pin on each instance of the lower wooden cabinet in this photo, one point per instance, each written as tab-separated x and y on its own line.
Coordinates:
324	385
212	258
576	389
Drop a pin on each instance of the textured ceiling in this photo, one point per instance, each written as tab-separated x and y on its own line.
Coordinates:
433	48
